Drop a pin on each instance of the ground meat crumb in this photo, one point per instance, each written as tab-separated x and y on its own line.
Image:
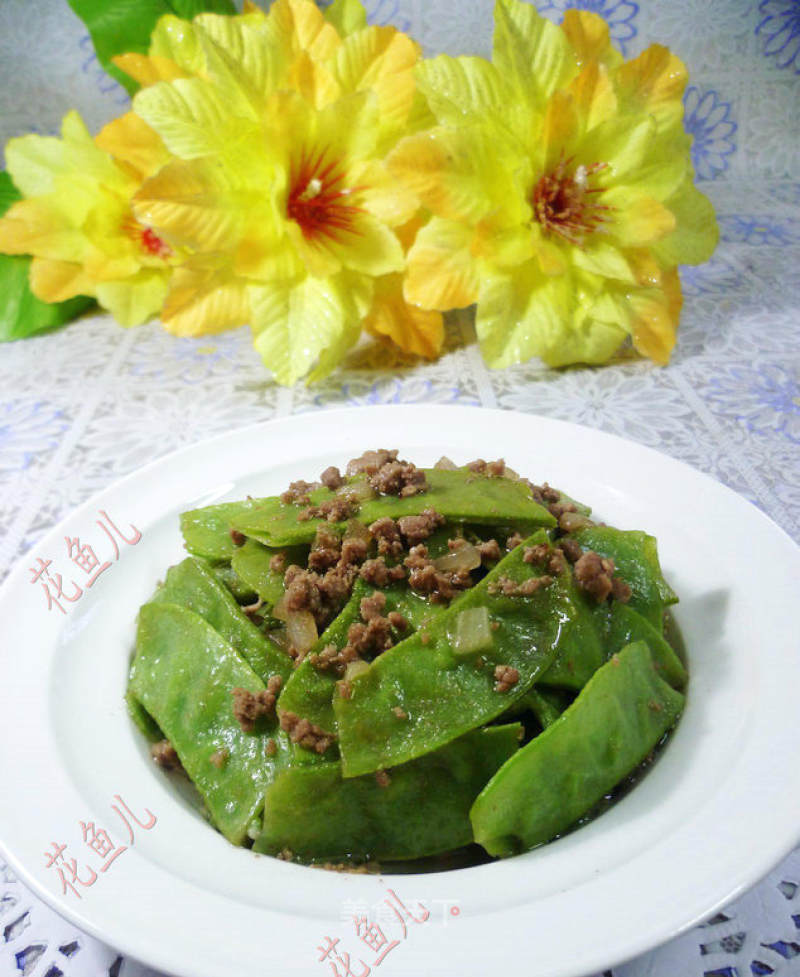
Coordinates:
165	755
400	478
305	733
238	539
297	493
399	712
249	707
382	778
332	478
364	868
595	575
336	509
543	494
496	469
332	659
219	758
325	550
371	638
557	562
425	578
536	555
387	534
489	550
415	529
374	606
345	690
397	621
557	509
514	541
370	462
321	595
571	549
271	747
507	587
377	574
505	678
620	590
277	563
353	551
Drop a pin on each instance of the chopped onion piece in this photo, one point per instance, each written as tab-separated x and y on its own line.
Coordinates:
279	610
358	490
473	631
301	630
445	464
570	521
353	669
511	474
466	557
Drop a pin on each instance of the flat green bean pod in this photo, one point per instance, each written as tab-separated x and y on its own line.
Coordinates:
616	720
183	674
421	808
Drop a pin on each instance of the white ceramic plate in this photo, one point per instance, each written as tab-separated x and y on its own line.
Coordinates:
715	813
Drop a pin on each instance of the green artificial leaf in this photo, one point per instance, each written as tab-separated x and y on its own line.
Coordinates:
122	26
21	313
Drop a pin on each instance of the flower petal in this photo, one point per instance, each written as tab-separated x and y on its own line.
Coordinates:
588	34
56	281
300	26
594	95
148	70
601	257
347	16
38	227
174	39
457	173
636	218
653	83
696	232
193	119
204	297
655	319
442	272
414	330
530	51
293	324
130	140
134	300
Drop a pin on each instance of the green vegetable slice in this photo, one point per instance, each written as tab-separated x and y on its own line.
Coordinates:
183	674
624	626
227	576
309	692
252	563
459	496
635	556
423	810
193	585
613	724
546	704
443	694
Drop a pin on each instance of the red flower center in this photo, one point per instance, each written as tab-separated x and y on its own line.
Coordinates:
563	204
154	245
318	199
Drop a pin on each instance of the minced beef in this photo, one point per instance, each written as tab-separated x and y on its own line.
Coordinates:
298	493
387	534
370	462
505	678
507	587
271	747
514	541
277	563
400	478
371	638
377	574
416	529
353	551
305	733
333	659
425	578
321	594
332	478
237	538
336	509
494	469
249	707
543	494
165	755
595	575
557	509
373	606
571	548
489	551
397	621
536	555
219	758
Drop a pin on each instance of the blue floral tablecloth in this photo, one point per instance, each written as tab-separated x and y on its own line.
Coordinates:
84	406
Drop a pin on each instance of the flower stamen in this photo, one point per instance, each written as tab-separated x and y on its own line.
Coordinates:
316	199
561	202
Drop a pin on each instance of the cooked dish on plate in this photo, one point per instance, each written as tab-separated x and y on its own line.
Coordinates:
397	664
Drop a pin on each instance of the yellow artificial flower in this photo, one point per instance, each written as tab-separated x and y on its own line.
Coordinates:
279	123
560	182
76	218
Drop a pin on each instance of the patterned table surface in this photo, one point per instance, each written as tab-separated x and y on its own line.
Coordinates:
84	406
